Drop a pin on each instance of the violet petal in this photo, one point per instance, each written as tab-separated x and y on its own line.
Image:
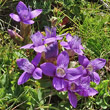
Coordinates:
92	92
96	78
87	92
48	32
23	78
65	45
35	13
28	22
59	38
98	63
69	37
25	65
37	74
72	99
52	50
77	49
75	45
48	69
20	7
15	17
36	59
53	32
40	49
28	46
74	73
83	60
49	40
63	59
59	84
37	39
85	81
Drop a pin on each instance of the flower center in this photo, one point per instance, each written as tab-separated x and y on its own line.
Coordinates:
90	67
72	87
25	15
60	72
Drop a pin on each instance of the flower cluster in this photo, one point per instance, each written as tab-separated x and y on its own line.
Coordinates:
56	65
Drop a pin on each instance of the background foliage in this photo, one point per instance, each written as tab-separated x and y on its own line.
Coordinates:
89	20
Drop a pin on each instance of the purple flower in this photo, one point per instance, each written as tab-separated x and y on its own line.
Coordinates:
73	43
51	35
25	14
61	71
80	86
30	69
91	67
38	43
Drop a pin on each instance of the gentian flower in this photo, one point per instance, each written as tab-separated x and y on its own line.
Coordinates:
61	71
38	43
25	14
91	67
80	86
51	35
73	43
30	69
